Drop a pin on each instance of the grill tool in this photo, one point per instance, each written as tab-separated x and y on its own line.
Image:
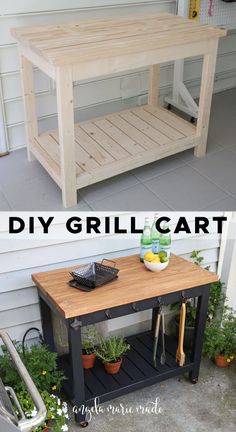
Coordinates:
180	355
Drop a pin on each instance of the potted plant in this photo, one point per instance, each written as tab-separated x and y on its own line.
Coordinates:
89	341
110	351
220	339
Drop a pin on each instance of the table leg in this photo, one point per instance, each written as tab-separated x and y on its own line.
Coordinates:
75	344
31	124
154	84
65	107
207	83
46	318
201	317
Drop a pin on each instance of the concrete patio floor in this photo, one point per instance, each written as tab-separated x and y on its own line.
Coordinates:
180	182
209	405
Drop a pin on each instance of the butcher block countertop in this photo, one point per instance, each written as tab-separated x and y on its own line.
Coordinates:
134	283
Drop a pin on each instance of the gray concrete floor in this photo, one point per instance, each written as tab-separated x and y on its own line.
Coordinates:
207	406
180	182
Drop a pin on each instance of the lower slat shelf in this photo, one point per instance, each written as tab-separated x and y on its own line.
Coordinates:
118	142
137	369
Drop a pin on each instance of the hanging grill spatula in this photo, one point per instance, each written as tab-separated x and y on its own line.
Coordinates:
180	356
156	337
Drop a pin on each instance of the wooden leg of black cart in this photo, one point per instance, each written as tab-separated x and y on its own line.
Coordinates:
75	345
46	317
199	333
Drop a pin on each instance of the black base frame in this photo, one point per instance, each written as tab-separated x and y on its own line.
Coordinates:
83	386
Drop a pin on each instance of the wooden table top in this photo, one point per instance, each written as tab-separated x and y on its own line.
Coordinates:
134	283
82	41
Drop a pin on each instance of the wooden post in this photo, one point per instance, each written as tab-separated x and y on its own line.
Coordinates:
207	83
31	124
154	84
65	107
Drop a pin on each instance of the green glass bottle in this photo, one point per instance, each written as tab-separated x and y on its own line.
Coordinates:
165	243
155	235
146	239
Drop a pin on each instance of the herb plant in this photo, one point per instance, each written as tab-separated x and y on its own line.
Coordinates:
111	349
89	339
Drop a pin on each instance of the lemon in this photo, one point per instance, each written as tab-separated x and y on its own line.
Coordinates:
149	256
156	260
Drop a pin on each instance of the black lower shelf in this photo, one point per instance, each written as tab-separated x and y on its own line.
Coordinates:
137	370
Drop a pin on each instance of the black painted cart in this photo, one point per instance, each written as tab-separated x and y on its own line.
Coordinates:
136	289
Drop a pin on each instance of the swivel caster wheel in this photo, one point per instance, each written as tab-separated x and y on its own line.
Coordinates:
192	120
194	380
83	424
169	107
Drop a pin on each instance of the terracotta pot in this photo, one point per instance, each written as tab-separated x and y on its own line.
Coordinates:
221	361
113	368
88	360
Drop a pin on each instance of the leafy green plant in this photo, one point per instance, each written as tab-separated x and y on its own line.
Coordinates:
57	411
196	257
111	349
216	301
216	297
41	364
220	336
89	339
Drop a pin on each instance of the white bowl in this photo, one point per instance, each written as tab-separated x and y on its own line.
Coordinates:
155	267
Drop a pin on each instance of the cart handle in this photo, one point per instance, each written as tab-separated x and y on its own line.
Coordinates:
25	424
105	259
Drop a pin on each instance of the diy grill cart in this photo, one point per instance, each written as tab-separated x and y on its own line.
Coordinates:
136	289
78	155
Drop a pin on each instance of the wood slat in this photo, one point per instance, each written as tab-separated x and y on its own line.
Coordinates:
134	283
92	147
105	141
85	161
131	131
122	139
158	124
47	142
172	120
145	128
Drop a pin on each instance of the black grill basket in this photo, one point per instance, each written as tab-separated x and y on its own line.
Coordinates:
95	274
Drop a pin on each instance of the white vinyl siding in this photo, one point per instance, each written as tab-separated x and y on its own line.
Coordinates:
97	96
19	259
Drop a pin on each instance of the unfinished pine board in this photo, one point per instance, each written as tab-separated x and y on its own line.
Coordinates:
134	283
93	151
116	143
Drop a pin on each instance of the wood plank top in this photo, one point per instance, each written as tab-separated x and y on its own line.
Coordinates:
84	40
134	283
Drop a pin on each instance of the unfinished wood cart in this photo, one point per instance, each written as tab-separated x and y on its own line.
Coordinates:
78	155
136	289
